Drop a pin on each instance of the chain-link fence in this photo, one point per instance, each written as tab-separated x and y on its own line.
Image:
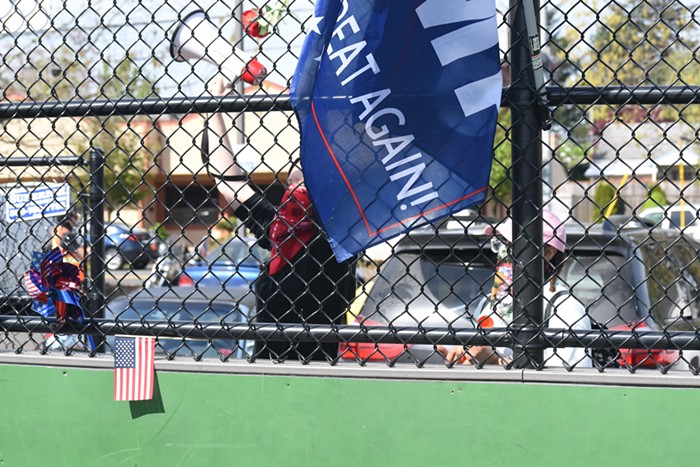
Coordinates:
584	254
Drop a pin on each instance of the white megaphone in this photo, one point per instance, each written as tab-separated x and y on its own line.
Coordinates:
196	38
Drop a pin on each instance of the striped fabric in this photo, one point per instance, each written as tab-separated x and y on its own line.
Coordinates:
134	368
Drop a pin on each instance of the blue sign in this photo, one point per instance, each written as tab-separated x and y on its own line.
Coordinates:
397	103
29	203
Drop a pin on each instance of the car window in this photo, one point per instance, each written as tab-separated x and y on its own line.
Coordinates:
603	284
673	278
412	287
686	258
203	312
164	310
238	252
679	222
655	217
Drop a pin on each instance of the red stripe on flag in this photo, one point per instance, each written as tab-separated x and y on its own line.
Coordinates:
31	287
135	383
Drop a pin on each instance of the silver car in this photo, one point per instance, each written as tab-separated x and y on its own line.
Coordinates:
439	277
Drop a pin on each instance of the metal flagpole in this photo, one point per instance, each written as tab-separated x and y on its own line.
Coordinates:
536	57
527	121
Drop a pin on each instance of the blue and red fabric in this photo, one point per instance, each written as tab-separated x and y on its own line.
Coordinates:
55	287
397	103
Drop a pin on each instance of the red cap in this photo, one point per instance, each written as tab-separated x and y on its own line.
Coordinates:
254	72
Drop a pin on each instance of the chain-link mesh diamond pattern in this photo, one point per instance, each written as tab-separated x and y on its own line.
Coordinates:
103	136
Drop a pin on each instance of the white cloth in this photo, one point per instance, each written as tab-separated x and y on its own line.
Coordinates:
567	312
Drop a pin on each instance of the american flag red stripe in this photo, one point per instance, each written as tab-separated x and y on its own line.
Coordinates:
31	286
134	359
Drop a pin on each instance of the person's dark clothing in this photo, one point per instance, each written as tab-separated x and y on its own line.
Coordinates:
309	288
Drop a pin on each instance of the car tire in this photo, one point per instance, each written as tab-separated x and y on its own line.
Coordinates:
113	260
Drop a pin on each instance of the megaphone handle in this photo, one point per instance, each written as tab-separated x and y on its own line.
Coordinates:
230	66
240	66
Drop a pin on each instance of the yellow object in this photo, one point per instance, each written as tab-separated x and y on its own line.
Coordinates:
358	302
681	170
610	209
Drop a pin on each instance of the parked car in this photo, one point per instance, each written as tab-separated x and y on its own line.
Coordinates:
183	305
166	269
236	262
438	277
131	246
683	218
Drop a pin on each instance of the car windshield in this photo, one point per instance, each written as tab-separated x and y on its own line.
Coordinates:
673	271
677	218
411	287
603	284
179	311
416	287
682	219
236	251
655	216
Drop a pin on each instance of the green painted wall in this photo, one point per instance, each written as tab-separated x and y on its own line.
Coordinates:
60	416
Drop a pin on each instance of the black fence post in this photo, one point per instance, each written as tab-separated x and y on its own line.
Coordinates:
528	268
96	194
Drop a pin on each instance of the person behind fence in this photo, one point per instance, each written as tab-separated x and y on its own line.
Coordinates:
73	250
562	310
302	281
64	226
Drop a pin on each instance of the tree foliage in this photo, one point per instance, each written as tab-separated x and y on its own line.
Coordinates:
126	153
500	182
649	43
657	197
84	73
604	195
563	70
571	154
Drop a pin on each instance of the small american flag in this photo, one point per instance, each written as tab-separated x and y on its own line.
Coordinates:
32	288
134	368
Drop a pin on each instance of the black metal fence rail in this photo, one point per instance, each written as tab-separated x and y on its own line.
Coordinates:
368	334
41	161
557	96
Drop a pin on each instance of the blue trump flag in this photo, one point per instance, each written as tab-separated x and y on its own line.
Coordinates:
397	103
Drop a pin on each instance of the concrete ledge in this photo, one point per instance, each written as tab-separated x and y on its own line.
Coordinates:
613	377
405	372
